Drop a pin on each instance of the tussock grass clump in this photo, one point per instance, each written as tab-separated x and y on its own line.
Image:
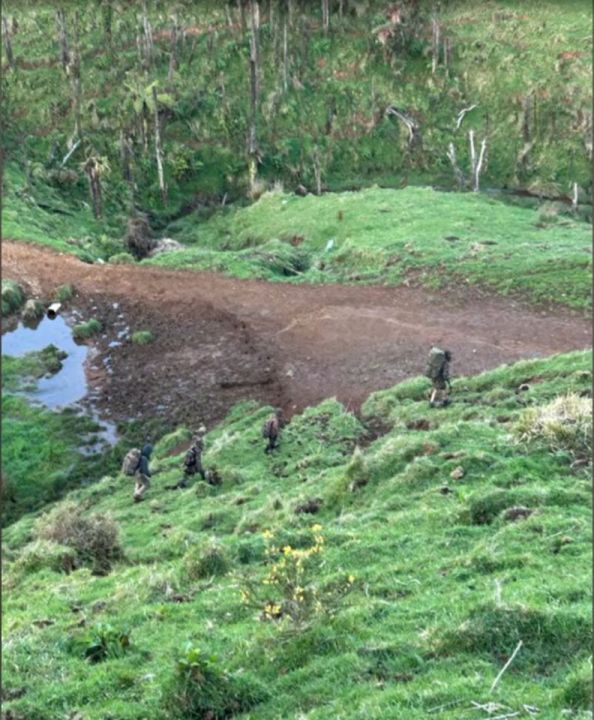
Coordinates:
86	329
485	508
42	554
122	258
142	337
139	237
577	693
65	293
170	441
549	638
201	688
206	561
95	538
565	425
13	296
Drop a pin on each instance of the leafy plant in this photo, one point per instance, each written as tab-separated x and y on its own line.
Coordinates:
142	337
103	642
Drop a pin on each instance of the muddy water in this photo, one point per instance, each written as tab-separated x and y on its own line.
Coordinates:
69	386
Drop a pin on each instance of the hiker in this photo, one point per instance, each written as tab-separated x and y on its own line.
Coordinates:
142	473
438	371
193	459
271	429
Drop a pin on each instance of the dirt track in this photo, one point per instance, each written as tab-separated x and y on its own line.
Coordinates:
219	340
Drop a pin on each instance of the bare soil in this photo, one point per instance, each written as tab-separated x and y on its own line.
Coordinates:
219	340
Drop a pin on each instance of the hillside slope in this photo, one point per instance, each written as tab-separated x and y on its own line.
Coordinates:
436	547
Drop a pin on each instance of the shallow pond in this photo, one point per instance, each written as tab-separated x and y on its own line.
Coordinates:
68	386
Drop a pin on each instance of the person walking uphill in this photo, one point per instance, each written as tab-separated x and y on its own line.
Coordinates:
271	430
193	459
142	473
438	371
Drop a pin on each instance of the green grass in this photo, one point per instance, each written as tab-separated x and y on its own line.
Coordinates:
437	601
18	372
388	236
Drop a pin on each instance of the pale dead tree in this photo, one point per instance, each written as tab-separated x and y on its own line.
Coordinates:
95	167
7	43
574	197
317	168
476	163
148	34
435	41
462	114
252	143
458	174
74	73
63	38
326	16
159	149
173	58
414	130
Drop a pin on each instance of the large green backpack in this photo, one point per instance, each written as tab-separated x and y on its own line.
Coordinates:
437	359
131	462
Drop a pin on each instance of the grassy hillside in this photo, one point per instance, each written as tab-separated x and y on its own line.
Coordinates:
438	545
395	236
322	102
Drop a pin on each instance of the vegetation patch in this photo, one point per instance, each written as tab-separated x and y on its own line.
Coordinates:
13	297
142	337
94	537
87	329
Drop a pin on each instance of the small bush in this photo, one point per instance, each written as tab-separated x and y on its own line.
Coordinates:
202	689
87	329
139	236
12	297
142	337
122	258
64	293
565	424
205	561
95	538
101	642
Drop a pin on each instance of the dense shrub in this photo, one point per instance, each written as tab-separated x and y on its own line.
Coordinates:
139	236
42	554
565	424
64	293
95	538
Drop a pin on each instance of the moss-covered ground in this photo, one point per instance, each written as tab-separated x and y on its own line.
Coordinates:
426	581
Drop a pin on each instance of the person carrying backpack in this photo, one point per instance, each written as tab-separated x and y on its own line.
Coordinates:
438	371
193	459
142	473
271	430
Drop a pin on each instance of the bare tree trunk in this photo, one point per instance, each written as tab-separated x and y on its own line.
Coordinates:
435	40
285	57
458	174
73	71
317	167
94	178
242	21
574	197
63	39
126	155
254	92
340	8
7	43
148	35
325	16
173	59
158	149
476	164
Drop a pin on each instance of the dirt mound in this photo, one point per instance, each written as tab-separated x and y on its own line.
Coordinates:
219	340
